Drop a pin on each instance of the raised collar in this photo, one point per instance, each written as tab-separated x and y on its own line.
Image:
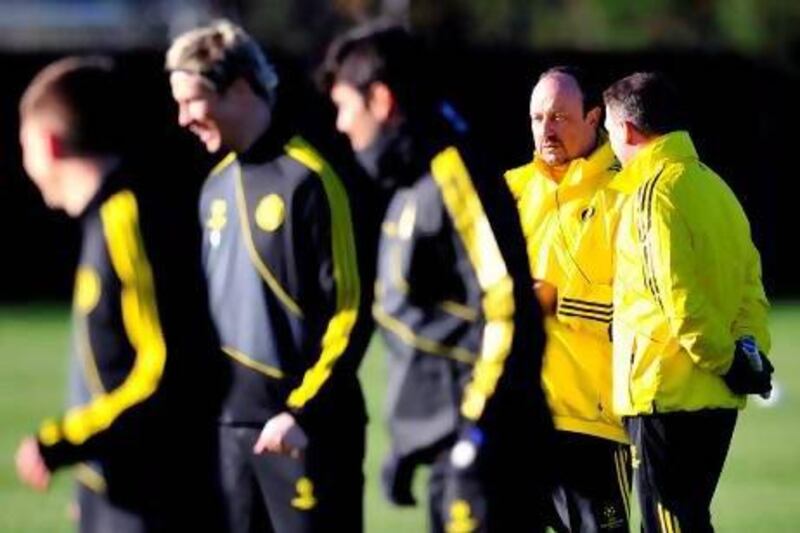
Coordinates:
581	170
112	182
673	146
270	144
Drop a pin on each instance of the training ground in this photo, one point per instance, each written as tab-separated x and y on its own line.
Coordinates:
759	491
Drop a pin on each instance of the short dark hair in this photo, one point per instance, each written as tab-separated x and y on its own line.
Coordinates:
590	90
371	53
649	101
82	96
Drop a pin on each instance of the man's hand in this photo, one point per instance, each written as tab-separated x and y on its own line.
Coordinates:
282	434
30	466
547	294
749	377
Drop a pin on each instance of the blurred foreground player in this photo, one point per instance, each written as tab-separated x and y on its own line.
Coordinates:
134	379
453	297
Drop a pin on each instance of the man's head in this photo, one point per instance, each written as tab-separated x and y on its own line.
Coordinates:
369	75
70	112
565	114
640	107
219	76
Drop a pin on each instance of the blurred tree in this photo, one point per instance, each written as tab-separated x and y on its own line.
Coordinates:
753	27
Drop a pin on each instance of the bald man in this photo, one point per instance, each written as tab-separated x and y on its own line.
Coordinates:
569	217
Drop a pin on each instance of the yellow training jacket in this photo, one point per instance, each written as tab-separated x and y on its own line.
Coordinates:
569	227
687	283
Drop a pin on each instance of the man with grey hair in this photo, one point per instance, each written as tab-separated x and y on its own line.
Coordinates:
690	312
284	284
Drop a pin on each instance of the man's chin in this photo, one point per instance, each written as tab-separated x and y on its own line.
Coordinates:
212	145
554	161
553	157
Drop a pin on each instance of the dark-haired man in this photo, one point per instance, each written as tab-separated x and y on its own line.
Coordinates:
453	296
690	313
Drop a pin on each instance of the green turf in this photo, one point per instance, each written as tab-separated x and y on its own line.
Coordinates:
759	491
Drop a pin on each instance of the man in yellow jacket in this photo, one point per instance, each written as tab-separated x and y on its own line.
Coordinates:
569	218
690	313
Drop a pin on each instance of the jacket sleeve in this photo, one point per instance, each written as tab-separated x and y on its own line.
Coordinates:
336	272
86	429
411	314
498	305
673	278
752	316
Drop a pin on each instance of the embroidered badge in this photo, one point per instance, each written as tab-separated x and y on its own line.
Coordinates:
270	212
304	500
461	519
87	289
217	219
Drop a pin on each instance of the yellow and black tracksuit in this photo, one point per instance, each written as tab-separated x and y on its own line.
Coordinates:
285	293
687	286
569	219
129	402
464	337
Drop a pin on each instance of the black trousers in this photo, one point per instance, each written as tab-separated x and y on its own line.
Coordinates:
677	459
592	485
437	485
505	490
100	515
153	491
270	493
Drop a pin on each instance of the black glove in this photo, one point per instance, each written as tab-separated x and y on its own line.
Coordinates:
744	378
397	474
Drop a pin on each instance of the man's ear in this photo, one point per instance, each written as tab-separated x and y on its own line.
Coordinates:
632	135
381	101
594	117
55	145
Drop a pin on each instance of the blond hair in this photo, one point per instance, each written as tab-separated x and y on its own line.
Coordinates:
220	53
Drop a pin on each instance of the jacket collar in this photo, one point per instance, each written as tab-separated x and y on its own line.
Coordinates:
673	146
114	181
582	170
270	144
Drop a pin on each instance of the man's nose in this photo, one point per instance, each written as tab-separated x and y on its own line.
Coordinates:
184	118
549	127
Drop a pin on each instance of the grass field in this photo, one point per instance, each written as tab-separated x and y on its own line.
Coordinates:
759	491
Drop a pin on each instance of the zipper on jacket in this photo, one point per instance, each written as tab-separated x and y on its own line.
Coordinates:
630	373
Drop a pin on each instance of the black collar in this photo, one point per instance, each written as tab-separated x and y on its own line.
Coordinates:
270	144
111	183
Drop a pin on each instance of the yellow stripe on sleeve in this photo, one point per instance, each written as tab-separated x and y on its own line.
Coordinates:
120	219
409	337
470	222
345	271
